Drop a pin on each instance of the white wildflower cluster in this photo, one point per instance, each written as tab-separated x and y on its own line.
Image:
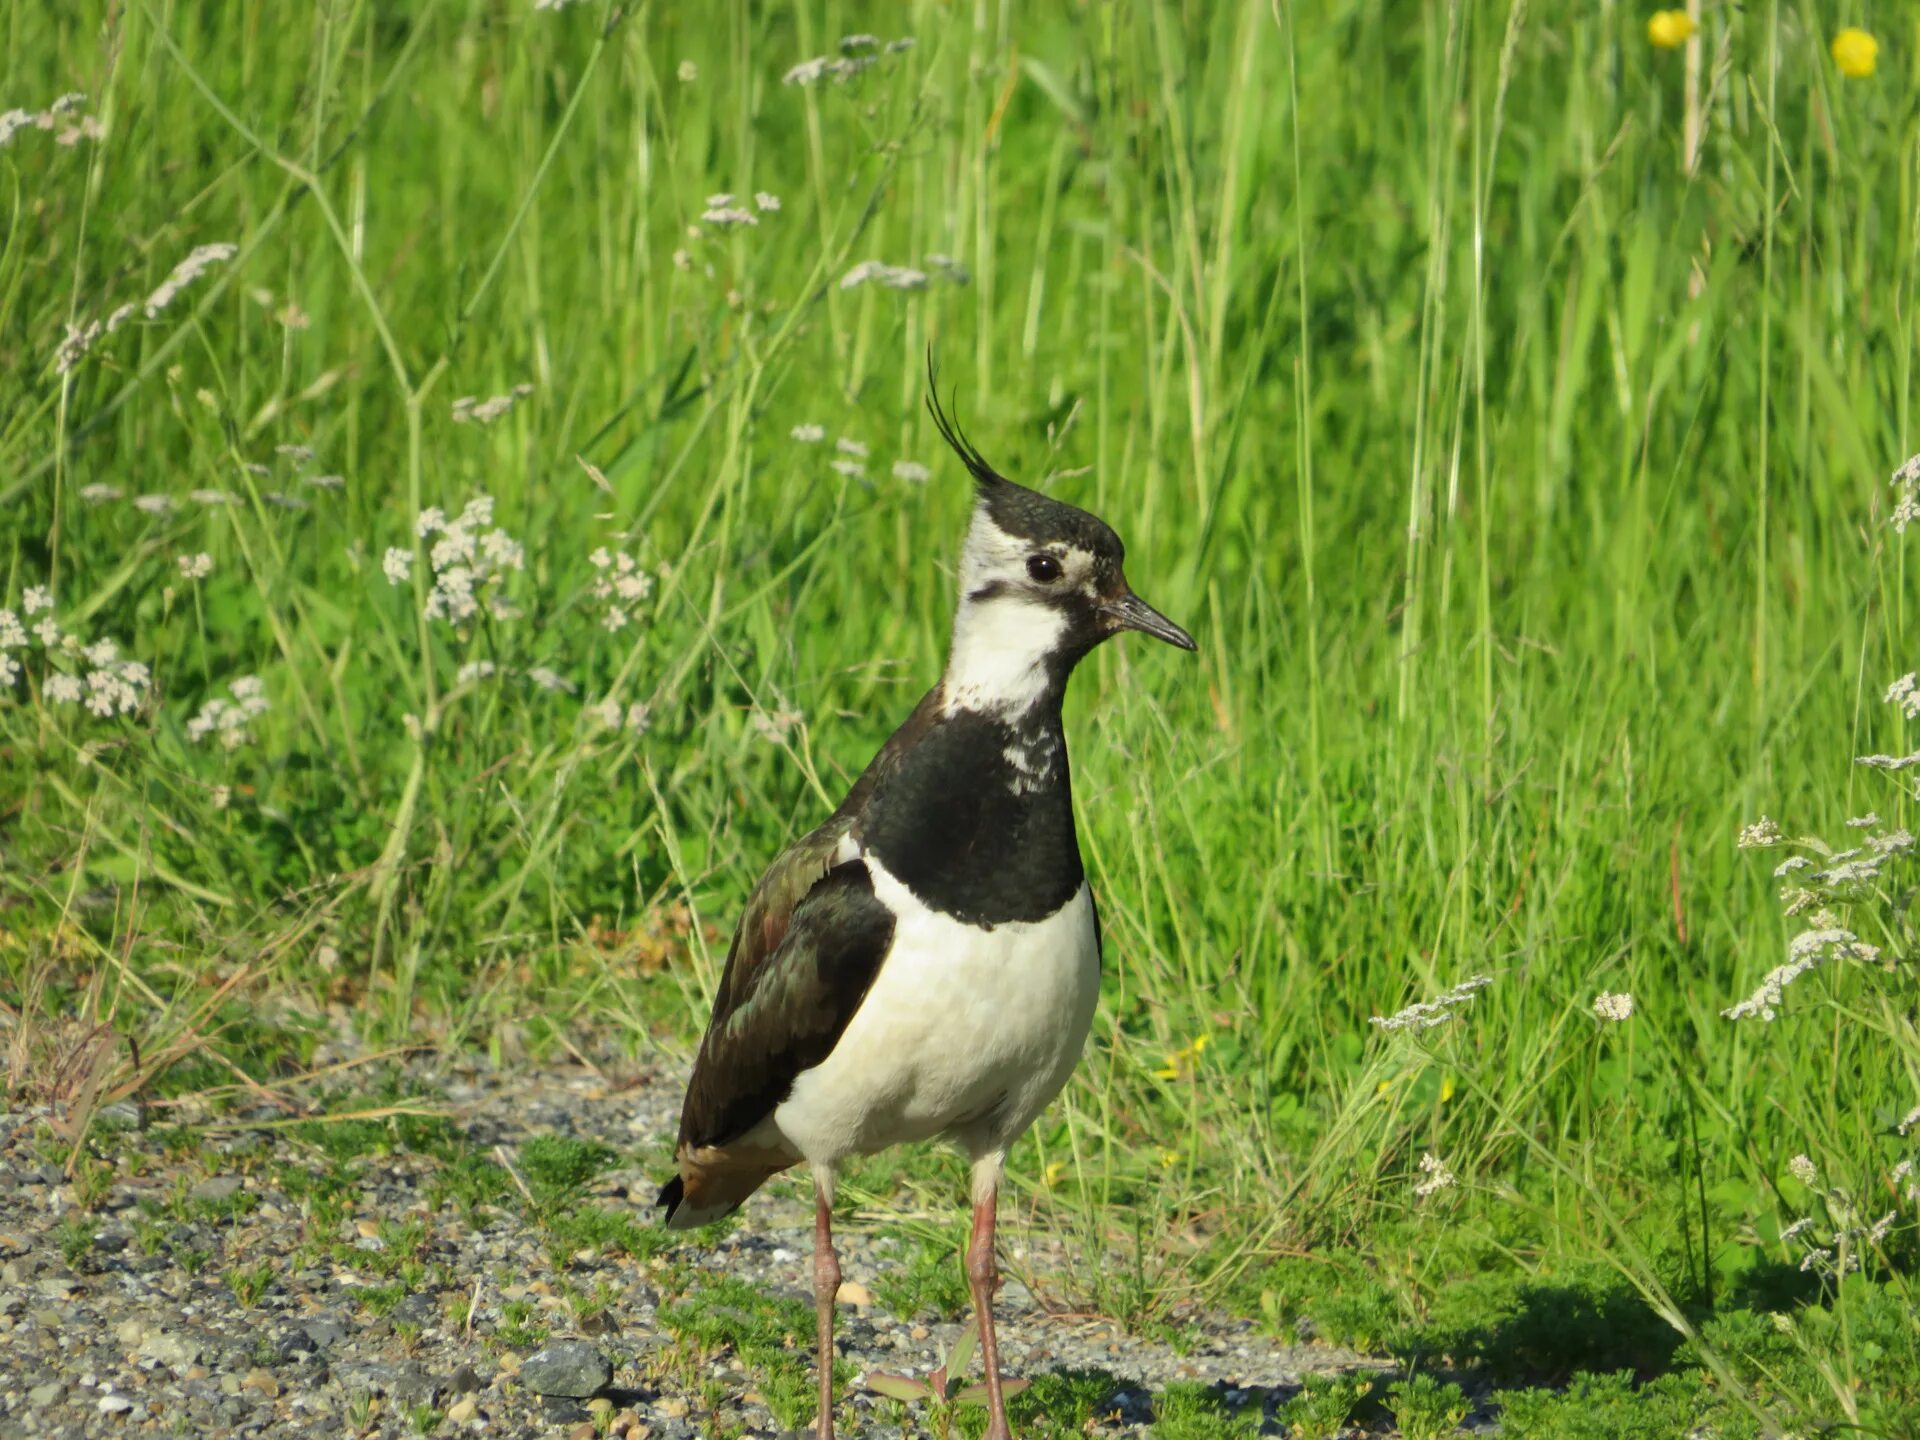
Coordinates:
80	339
200	259
475	670
1434	1176
1806	950
851	455
890	277
1849	1231
470	410
1760	834
102	680
195	567
1613	1008
857	53
471	558
773	725
724	211
1906	500
1902	1178
905	277
555	5
62	119
620	585
1426	1014
634	717
230	719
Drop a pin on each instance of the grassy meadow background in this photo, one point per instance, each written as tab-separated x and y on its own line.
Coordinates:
1526	489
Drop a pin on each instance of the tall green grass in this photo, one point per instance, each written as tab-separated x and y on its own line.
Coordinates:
1525	490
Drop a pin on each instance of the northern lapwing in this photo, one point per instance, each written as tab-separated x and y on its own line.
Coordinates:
925	964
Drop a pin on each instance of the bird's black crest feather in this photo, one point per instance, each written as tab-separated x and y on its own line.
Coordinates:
983	473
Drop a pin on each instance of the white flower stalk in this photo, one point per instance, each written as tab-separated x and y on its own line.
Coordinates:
1613	1008
1435	1176
808	434
1808	949
470	557
470	410
1426	1014
1802	1169
229	720
847	446
891	277
1906	504
634	718
912	471
195	567
773	725
620	584
114	686
200	259
1760	834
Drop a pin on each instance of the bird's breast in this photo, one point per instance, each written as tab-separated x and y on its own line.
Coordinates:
967	1031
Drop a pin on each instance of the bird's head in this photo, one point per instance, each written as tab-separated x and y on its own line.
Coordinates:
1041	584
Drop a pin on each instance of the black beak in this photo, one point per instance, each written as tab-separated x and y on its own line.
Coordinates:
1130	612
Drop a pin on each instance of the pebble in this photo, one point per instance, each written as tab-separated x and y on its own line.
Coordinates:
571	1368
157	1343
217	1187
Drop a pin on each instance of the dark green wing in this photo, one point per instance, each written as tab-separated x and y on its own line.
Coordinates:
807	949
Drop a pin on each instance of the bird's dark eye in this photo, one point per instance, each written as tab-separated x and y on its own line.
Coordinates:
1044	568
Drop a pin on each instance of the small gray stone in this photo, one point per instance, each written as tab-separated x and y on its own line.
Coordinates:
41	1396
571	1368
325	1332
464	1381
170	1348
111	1404
218	1187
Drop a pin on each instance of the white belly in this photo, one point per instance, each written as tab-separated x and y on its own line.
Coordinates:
966	1032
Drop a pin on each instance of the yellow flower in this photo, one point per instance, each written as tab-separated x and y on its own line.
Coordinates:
1446	1088
1855	51
1169	1159
1669	29
1055	1169
1180	1064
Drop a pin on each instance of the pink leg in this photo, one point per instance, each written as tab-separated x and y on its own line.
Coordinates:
983	1276
826	1285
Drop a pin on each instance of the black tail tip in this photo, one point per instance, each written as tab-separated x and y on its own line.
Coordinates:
669	1198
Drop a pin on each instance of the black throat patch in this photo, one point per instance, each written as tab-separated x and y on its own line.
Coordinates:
976	819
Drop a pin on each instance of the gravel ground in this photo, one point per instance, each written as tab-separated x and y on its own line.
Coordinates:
142	1329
